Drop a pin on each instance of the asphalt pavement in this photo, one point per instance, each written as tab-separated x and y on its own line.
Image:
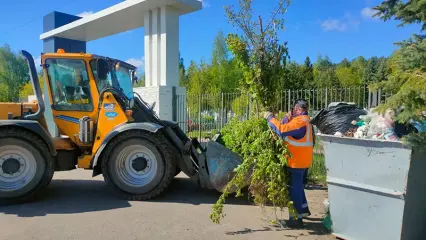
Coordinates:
77	206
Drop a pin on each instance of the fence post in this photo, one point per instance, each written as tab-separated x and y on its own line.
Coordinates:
289	101
199	116
248	107
222	112
174	104
326	97
369	98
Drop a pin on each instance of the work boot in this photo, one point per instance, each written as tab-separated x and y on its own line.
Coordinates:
306	212
295	224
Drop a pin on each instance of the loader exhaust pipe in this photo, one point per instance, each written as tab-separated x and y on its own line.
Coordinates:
36	87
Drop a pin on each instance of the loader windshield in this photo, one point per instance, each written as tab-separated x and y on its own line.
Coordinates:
119	76
124	79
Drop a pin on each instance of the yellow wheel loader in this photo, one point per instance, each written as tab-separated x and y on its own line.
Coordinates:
104	127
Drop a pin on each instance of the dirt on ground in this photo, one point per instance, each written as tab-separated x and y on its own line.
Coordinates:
77	206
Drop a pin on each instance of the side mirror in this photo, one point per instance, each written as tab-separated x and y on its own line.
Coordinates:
102	69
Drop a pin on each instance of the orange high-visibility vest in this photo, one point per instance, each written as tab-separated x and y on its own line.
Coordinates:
301	149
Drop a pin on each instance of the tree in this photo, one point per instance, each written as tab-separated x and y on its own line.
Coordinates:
350	73
183	81
382	70
197	85
370	70
261	57
324	73
375	70
308	74
13	73
220	49
224	73
347	76
358	65
27	89
141	81
345	63
210	79
407	80
408	12
407	77
295	76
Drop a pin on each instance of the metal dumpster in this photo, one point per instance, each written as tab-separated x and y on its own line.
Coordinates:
377	189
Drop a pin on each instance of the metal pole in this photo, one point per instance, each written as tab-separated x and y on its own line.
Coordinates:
248	106
174	105
199	117
222	112
326	97
289	101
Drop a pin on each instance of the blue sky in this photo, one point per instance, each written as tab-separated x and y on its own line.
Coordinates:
337	28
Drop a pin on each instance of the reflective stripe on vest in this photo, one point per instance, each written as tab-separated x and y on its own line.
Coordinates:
307	143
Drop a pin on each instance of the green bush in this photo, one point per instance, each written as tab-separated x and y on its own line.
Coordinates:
207	119
262	168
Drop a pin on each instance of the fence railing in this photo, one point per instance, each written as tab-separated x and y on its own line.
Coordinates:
207	114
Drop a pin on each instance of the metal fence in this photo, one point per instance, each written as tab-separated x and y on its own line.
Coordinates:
208	113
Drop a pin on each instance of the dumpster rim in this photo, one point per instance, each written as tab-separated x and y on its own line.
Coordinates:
348	140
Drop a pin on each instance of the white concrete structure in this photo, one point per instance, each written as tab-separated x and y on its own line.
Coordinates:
160	19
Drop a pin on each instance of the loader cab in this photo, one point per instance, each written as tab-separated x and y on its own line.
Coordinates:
76	84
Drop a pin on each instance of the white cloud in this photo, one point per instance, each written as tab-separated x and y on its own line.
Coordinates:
85	14
334	25
367	13
137	62
346	23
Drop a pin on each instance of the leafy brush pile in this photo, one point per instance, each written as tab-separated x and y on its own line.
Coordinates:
263	168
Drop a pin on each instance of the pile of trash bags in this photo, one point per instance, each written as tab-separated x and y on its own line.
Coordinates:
337	117
346	119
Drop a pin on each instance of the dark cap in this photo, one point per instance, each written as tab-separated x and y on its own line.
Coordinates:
301	103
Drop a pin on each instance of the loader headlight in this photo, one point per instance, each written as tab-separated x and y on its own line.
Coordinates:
131	102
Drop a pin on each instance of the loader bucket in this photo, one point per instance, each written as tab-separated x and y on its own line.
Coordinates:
221	163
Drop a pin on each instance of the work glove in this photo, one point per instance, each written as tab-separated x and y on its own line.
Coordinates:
267	114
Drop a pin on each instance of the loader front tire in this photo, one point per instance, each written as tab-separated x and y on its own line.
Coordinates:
139	164
26	166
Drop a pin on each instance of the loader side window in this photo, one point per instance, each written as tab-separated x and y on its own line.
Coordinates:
69	85
100	83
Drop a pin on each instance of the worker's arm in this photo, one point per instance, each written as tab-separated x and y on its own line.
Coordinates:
291	128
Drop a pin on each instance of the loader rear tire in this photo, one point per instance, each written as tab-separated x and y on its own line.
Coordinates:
139	164
26	166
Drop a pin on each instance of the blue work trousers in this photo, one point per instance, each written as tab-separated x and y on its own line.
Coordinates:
297	190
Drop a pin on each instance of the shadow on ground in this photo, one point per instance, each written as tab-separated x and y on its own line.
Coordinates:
316	187
66	196
313	226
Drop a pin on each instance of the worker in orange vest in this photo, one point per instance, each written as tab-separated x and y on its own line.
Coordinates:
297	131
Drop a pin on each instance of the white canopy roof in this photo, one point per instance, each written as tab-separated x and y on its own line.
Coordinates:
121	17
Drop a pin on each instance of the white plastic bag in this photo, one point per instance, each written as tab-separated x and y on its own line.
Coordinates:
382	127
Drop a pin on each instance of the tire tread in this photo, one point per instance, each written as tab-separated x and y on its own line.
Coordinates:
165	150
39	144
